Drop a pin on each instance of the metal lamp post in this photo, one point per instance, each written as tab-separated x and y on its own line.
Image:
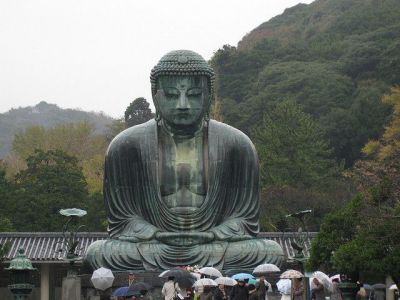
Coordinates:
70	242
21	284
299	243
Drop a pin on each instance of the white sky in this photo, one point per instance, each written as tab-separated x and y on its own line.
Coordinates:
96	55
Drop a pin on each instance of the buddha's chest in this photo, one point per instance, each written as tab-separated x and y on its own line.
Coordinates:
182	172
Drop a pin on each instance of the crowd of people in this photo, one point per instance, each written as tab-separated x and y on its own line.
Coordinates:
241	291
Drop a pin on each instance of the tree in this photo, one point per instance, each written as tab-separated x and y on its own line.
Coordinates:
76	139
297	170
53	180
138	112
6	199
291	148
372	244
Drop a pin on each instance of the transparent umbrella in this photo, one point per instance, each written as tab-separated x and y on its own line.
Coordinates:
210	271
204	282
289	274
284	286
226	281
324	280
102	278
265	269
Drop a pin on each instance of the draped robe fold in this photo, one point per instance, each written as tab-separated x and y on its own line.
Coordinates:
136	209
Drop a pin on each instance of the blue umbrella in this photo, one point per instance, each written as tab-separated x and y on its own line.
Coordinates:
124	291
243	276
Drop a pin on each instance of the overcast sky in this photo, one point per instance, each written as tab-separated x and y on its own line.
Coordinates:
96	55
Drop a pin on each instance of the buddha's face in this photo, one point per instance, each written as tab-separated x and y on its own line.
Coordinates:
182	100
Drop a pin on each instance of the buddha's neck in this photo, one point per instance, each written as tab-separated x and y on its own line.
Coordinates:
184	132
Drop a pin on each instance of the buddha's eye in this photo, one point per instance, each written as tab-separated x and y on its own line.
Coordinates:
194	92
171	92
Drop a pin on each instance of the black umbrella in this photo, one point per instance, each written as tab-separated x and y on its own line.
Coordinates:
379	286
139	286
183	277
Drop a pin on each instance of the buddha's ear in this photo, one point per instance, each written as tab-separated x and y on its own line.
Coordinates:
207	99
156	100
207	104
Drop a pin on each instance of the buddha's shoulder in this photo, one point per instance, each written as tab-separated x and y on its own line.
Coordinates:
134	135
230	134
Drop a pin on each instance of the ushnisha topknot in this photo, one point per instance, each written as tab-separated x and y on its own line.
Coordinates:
181	63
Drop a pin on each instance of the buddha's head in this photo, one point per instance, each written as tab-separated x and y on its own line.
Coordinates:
182	87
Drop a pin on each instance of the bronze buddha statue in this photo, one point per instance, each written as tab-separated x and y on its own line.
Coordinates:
182	189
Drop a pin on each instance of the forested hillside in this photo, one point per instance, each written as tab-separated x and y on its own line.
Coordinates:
335	58
306	86
46	115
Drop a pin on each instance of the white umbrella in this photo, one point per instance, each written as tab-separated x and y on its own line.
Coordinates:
265	269
205	282
284	286
393	287
337	276
289	274
196	275
210	271
226	281
324	280
162	274
102	278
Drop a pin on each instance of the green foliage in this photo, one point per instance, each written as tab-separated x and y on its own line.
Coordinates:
366	236
138	112
6	192
291	148
76	139
335	58
336	229
297	168
52	181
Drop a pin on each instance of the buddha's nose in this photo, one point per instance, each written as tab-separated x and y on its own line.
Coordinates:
183	103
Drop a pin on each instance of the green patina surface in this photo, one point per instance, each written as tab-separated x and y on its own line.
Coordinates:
182	189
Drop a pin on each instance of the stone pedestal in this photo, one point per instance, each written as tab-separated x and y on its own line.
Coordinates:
71	288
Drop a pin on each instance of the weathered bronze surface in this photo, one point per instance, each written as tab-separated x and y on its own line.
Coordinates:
182	189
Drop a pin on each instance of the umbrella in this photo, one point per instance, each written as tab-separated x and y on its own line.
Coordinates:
139	286
367	286
184	278
379	286
197	276
226	281
289	274
242	276
324	280
210	271
265	269
124	292
393	287
102	279
284	286
204	282
337	276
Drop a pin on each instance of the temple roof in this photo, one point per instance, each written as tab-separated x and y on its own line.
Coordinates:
44	247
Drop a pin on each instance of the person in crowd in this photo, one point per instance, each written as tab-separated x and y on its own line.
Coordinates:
131	278
262	288
239	291
298	289
336	294
318	290
220	293
206	294
253	295
170	289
